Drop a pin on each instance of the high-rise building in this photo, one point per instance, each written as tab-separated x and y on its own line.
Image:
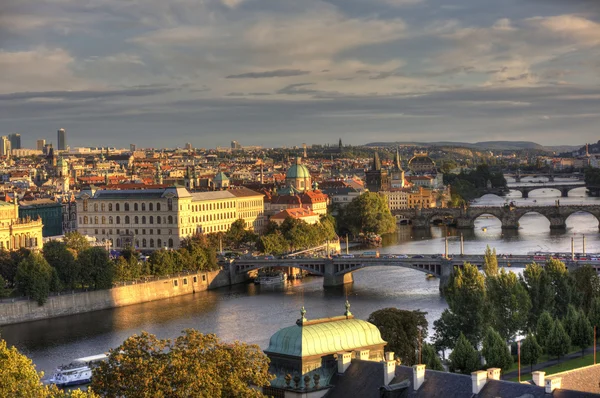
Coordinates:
4	146
188	146
62	140
235	145
41	144
15	141
132	148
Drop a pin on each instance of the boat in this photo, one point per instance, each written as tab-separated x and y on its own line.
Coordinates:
77	372
430	276
484	229
271	279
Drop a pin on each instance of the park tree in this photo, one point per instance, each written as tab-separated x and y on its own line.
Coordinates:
583	333
62	259
587	283
97	270
540	291
430	358
531	351
274	243
464	357
403	330
163	262
446	331
560	281
33	277
508	304
4	291
495	350
466	297
594	313
544	328
558	342
368	213
570	321
76	242
490	262
8	267
194	365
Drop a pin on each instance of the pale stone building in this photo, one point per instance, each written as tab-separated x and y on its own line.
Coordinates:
16	232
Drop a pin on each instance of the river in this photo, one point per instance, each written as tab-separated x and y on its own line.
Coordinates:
253	313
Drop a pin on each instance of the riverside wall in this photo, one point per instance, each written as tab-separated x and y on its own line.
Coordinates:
131	293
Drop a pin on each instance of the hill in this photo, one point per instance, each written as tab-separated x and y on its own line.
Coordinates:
490	145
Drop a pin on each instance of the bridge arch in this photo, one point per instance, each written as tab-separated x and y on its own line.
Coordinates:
315	268
526	212
572	212
440	217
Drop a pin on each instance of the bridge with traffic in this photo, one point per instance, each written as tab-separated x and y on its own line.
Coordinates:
338	271
564	188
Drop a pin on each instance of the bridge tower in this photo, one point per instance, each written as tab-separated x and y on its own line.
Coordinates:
518	176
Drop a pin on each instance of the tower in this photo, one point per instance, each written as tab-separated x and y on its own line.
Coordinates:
377	178
15	141
397	172
62	139
340	145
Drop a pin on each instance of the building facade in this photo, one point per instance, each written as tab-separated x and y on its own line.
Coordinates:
61	140
48	210
377	178
16	232
15	141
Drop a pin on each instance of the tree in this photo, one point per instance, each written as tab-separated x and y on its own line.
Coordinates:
430	358
508	304
62	259
403	330
531	351
583	333
367	213
274	243
540	291
560	280
558	342
544	328
587	284
495	350
464	357
76	241
570	321
33	277
194	364
594	314
490	262
97	269
4	292
446	331
8	267
466	296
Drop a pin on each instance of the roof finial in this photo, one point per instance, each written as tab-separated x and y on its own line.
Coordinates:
347	313
302	319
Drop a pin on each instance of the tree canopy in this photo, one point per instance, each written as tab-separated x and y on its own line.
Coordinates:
464	357
368	213
495	350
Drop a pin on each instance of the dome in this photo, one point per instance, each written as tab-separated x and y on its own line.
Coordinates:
221	177
297	171
421	163
325	337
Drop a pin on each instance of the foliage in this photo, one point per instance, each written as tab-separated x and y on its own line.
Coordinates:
587	284
238	235
97	270
62	259
76	242
495	350
295	234
531	351
537	283
544	328
165	262
490	262
466	296
274	243
33	277
464	357
570	321
8	267
446	331
430	358
470	185
594	313
583	333
403	330
561	283
367	213
198	254
558	342
194	364
509	304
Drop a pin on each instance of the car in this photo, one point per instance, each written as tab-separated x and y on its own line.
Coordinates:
269	257
418	256
401	256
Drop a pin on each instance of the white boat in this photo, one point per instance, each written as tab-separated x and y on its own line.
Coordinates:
272	279
77	372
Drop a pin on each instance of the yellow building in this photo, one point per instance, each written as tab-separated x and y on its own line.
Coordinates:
16	232
150	219
399	199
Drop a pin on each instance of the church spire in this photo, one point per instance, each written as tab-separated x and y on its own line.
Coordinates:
376	162
397	161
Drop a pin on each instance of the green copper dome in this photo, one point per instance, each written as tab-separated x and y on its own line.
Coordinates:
221	177
324	338
297	171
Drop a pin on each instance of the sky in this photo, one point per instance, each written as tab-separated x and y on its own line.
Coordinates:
159	73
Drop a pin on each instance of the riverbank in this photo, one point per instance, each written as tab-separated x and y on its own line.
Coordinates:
134	293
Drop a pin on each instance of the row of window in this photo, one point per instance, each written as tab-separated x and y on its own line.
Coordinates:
126	207
210	217
127	220
212	206
137	231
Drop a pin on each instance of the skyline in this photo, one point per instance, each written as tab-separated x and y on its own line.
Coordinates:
279	73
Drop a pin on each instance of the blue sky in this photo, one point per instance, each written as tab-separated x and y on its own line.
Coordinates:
285	72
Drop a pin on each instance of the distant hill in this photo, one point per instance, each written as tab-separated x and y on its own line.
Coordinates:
493	145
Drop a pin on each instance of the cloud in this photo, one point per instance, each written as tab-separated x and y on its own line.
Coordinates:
232	3
270	73
86	94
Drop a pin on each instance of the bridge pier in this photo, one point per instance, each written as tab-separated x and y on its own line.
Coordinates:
525	194
465	223
565	192
550	178
510	223
420	222
558	223
330	278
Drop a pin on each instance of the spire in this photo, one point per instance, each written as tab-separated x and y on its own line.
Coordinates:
376	166
302	319
347	313
397	161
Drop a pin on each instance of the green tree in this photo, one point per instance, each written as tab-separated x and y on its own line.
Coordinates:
509	304
33	277
466	297
97	269
164	262
583	333
540	291
446	331
544	328
4	291
594	314
8	267
558	342
490	262
194	365
430	358
274	243
570	320
403	330
531	351
560	281
76	242
587	284
464	357
367	213
495	350
62	259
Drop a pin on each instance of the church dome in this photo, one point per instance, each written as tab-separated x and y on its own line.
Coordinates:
421	163
297	171
325	337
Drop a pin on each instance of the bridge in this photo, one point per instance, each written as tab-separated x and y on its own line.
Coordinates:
526	189
550	176
338	271
508	215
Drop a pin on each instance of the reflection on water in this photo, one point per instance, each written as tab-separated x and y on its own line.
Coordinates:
253	313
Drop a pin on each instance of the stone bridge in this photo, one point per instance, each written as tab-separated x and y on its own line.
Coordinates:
338	271
550	176
508	215
563	188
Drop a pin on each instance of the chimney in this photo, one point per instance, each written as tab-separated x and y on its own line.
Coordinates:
363	355
552	383
478	380
418	376
539	378
389	368
343	359
493	373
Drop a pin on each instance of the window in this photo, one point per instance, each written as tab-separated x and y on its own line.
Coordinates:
174	282
137	243
135	207
96	220
85	205
143	219
118	219
151	220
96	232
126	206
159	243
103	232
143	242
136	232
158	232
110	231
103	220
170	219
126	219
151	230
143	207
195	279
85	219
185	281
158	207
118	231
203	278
158	220
110	219
136	220
144	231
170	204
151	242
150	206
95	206
170	242
110	207
117	207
